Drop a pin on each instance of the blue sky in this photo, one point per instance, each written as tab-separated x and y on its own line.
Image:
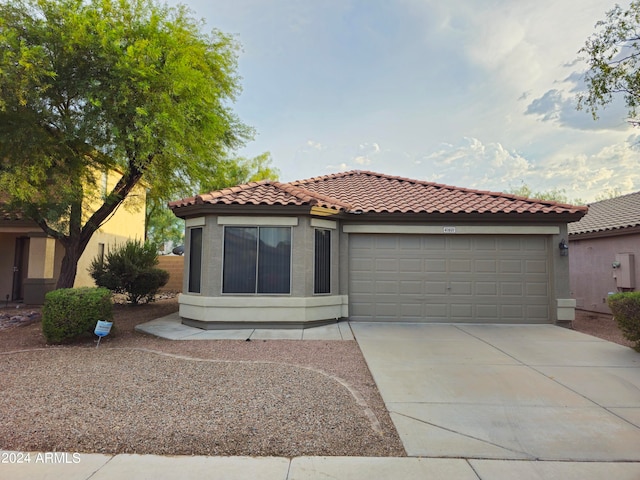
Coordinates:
473	93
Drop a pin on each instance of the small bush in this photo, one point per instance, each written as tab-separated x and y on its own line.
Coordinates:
70	313
626	310
130	269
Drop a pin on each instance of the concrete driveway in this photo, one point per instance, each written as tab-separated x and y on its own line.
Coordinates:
506	391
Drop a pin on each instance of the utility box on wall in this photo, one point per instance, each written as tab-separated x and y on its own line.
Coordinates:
624	273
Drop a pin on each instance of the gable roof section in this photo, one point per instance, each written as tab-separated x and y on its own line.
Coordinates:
609	215
264	192
368	192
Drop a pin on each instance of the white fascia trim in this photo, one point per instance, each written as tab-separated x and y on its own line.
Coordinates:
194	222
459	229
329	224
274	221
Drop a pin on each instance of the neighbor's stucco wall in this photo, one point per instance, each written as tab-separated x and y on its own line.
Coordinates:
592	274
127	223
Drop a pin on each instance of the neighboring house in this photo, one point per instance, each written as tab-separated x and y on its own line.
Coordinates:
30	261
605	251
372	247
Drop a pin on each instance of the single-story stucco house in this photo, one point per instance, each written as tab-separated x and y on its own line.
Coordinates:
372	247
605	251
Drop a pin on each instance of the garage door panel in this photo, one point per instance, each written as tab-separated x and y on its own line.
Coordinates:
511	311
411	310
385	242
463	266
434	265
537	289
409	265
449	278
537	313
461	288
361	288
435	288
486	266
433	243
359	264
508	288
486	288
461	311
387	287
386	265
510	266
463	243
436	311
411	287
486	312
410	243
535	266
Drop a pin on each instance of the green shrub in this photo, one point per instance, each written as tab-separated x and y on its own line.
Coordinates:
130	269
626	310
70	313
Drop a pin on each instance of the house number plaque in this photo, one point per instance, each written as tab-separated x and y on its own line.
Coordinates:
449	229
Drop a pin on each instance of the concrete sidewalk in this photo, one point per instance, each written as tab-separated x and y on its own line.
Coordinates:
153	467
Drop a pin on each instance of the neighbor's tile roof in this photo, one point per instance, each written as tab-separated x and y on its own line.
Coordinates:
369	192
613	214
9	215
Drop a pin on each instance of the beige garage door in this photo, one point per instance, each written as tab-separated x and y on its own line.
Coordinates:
449	278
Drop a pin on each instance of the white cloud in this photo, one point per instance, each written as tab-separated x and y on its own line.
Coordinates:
362	160
315	145
473	164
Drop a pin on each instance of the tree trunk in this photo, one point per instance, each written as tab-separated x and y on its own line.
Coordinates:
69	268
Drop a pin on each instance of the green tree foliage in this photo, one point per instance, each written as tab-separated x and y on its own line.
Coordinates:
128	86
554	195
130	269
608	194
613	57
163	225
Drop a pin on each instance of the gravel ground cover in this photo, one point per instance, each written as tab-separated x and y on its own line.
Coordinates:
141	394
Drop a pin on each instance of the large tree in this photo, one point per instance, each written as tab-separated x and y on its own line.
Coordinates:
162	225
125	86
613	57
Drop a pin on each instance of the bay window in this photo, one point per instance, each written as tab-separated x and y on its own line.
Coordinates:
257	260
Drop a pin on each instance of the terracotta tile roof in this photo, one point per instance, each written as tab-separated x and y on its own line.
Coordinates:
262	193
369	192
613	214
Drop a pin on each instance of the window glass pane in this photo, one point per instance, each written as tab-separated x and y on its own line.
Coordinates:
322	262
239	264
195	260
274	260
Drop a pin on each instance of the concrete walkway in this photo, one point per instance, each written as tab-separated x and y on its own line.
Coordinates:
171	328
474	402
